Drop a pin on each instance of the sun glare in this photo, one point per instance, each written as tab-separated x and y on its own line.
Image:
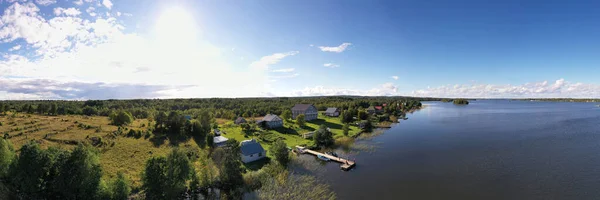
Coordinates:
176	25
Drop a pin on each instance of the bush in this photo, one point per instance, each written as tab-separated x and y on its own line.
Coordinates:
121	118
280	151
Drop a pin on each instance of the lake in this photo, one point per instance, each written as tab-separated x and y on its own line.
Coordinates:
489	149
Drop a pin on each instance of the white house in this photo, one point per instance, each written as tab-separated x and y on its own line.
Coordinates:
310	111
251	151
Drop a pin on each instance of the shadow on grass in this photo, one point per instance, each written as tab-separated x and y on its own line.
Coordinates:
256	165
286	130
174	139
326	123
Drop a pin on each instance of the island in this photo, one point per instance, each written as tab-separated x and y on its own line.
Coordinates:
460	102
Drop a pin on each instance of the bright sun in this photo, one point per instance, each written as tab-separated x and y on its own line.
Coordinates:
176	25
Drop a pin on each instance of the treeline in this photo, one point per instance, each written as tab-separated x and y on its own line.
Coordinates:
228	108
56	174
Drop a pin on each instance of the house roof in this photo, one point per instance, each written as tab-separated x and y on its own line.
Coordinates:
271	117
378	107
249	147
219	139
301	106
331	110
188	117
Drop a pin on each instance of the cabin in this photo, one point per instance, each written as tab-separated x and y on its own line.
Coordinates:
371	110
251	150
375	110
308	135
332	112
240	120
271	121
219	141
310	111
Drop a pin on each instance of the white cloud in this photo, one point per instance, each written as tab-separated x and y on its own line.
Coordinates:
269	60
284	70
330	65
107	4
78	2
90	11
66	11
560	89
337	49
15	48
45	2
285	76
395	77
387	89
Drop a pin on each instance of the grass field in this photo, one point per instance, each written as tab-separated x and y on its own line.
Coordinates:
126	154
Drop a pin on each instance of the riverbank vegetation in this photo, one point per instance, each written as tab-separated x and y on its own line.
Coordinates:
129	148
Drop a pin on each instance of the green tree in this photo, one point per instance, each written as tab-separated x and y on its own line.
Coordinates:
2	108
34	171
346	129
161	121
79	174
154	178
178	171
204	119
7	155
280	151
362	115
121	118
300	121
346	116
89	111
286	114
120	187
230	175
53	109
209	140
323	137
165	178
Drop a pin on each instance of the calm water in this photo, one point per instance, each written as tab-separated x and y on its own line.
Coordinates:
486	150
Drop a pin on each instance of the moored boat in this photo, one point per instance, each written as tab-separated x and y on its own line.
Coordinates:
323	158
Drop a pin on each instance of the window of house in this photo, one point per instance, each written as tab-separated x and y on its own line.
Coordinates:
260	154
251	155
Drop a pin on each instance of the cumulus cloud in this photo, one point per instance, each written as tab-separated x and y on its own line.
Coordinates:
269	60
66	11
559	89
51	89
107	4
45	2
284	70
78	2
395	77
387	89
330	65
338	49
90	11
98	53
15	48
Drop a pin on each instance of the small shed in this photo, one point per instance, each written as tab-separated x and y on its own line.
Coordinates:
332	112
219	141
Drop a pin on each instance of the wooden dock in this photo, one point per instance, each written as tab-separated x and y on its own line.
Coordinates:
346	164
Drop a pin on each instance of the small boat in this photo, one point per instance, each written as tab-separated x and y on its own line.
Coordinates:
331	153
323	158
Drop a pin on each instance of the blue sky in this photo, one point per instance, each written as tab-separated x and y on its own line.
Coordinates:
98	49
